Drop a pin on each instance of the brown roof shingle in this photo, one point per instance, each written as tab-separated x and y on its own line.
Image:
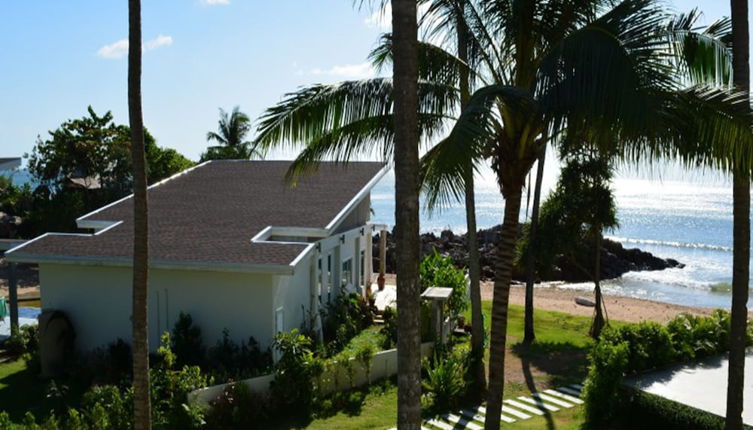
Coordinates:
210	214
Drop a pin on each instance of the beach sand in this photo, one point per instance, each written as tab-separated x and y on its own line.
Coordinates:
550	297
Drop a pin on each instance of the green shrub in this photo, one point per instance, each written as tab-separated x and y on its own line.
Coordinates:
389	330
439	271
697	337
344	318
187	342
446	379
649	412
237	408
365	356
605	375
635	348
293	388
108	404
228	360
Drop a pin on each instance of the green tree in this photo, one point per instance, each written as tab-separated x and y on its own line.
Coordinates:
574	216
95	151
741	229
232	130
142	410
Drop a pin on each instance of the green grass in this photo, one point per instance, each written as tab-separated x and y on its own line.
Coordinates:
369	336
20	390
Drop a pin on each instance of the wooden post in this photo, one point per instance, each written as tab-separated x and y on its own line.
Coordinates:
13	296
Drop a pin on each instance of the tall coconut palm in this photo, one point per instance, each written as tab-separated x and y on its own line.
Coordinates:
582	66
741	230
440	16
405	77
141	397
230	137
542	66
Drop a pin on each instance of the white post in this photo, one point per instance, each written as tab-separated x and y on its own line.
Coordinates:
357	265
368	262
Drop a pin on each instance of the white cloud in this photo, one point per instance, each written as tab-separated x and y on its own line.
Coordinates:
119	49
114	50
215	2
157	42
347	71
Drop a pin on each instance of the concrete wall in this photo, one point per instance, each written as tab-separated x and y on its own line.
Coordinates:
335	377
97	299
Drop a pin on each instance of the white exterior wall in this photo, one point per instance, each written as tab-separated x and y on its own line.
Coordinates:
293	294
97	299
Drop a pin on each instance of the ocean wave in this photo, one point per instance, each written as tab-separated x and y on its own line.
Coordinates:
672	244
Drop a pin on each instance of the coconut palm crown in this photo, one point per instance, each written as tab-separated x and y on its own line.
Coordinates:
230	137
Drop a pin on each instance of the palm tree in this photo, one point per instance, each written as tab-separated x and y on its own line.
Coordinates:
582	66
439	17
574	64
405	76
141	397
232	130
741	231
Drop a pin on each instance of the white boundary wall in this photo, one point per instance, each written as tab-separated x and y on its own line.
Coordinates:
334	378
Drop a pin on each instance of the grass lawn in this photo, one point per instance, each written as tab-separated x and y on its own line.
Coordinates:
20	390
560	337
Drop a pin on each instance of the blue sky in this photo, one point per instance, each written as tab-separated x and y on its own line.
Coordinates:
60	56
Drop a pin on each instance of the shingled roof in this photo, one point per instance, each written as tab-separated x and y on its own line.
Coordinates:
207	216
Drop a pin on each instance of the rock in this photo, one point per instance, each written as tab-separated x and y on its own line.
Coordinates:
584	301
616	260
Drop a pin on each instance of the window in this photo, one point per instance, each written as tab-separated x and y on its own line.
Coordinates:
347	272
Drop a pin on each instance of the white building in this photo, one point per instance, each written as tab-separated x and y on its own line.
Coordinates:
231	243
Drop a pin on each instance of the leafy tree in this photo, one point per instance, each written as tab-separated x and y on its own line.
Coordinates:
94	150
95	147
232	130
574	217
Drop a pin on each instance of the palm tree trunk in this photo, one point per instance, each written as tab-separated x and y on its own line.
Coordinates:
474	271
529	335
141	402
741	232
598	322
502	279
405	76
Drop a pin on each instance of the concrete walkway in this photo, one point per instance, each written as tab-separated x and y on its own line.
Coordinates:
702	385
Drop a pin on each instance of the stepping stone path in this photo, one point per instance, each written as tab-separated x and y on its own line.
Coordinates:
519	409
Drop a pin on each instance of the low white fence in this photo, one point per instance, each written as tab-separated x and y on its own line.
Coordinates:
337	376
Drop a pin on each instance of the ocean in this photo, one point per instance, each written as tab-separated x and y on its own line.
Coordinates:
682	215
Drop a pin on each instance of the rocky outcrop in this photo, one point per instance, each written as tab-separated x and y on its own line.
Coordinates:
616	260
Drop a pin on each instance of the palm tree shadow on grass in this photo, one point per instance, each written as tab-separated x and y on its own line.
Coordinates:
564	363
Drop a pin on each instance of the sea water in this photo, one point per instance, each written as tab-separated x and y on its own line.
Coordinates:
684	216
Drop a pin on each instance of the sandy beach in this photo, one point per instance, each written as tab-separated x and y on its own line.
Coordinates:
550	297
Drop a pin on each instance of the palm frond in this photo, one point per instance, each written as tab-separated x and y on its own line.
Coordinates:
316	111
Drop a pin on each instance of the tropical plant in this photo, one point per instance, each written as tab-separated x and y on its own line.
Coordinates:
142	411
230	137
445	381
187	342
740	229
438	271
